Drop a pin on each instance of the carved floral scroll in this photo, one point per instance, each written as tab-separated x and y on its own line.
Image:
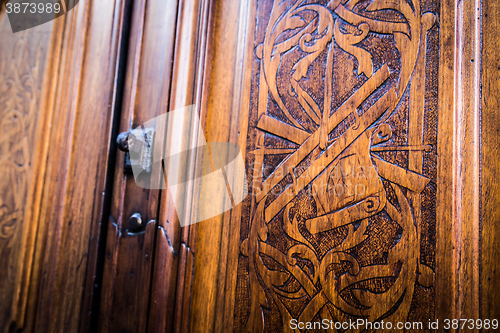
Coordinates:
325	162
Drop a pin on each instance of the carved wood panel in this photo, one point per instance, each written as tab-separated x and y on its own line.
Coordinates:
356	210
341	160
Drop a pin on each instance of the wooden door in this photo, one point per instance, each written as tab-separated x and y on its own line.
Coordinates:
339	119
57	101
359	125
369	135
365	127
148	269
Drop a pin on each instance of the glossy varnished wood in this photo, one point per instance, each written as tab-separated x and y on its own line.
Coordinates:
227	113
72	157
170	36
25	67
171	311
129	256
76	173
457	232
420	113
490	157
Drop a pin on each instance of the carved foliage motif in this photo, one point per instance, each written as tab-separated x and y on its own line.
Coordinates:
341	161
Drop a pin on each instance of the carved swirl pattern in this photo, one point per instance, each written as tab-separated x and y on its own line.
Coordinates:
342	164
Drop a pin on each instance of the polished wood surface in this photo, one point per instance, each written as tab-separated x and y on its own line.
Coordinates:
441	125
490	167
369	131
129	256
70	141
24	67
311	252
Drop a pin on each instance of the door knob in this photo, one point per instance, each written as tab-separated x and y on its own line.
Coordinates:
122	141
138	146
135	222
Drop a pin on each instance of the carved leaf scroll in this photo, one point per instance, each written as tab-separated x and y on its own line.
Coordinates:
331	179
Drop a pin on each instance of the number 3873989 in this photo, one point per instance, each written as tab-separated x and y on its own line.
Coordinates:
33	8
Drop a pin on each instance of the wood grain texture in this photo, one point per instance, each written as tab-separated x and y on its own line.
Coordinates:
369	130
127	279
72	157
192	54
445	277
76	172
443	142
214	272
490	157
458	280
466	161
24	74
167	45
294	229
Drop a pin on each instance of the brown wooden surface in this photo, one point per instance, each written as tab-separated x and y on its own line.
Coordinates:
171	310
227	111
167	44
24	67
76	167
71	147
307	92
129	256
218	97
490	157
449	243
458	190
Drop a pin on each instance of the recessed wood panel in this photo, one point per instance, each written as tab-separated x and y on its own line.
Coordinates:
342	164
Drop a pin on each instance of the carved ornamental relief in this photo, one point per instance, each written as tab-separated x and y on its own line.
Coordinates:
341	158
